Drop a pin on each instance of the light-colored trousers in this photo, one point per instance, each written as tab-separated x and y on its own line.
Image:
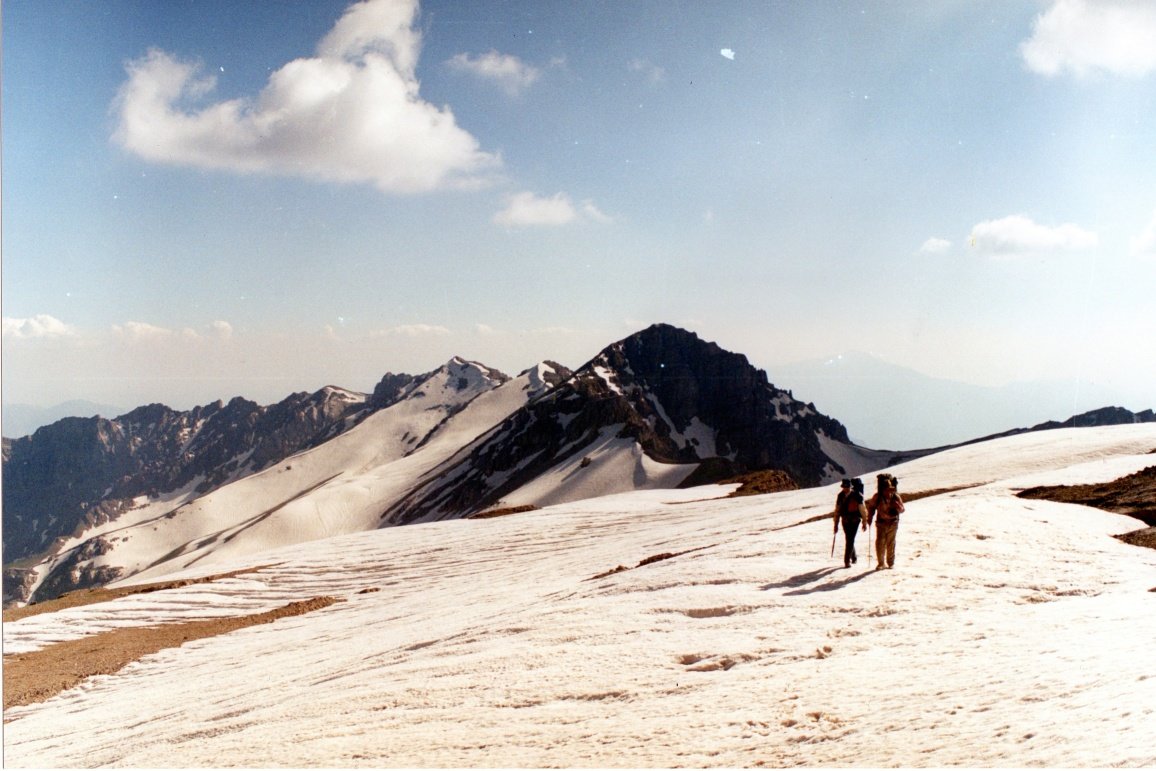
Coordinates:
885	542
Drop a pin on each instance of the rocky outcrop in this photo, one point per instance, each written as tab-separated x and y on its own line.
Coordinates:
1105	416
682	400
78	572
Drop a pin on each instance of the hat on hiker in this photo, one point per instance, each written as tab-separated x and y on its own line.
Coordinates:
846	483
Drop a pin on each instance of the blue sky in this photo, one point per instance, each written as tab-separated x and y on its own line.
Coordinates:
205	199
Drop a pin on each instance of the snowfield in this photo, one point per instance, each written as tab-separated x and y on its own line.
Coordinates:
1010	633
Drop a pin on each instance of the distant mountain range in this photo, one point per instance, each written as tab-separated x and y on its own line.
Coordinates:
88	501
886	405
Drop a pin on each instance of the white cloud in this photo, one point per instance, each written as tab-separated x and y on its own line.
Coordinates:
935	246
139	331
1114	36
415	330
352	113
222	329
41	326
527	209
143	332
594	214
1018	235
509	73
384	27
1144	244
728	53
652	72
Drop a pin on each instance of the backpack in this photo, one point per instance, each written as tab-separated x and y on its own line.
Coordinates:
887	510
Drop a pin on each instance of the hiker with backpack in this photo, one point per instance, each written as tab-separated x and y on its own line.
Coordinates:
850	511
884	508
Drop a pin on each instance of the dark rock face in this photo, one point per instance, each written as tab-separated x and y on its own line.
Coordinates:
758	426
77	572
389	389
682	399
80	472
1105	416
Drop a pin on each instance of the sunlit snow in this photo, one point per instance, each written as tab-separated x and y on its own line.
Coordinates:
1010	633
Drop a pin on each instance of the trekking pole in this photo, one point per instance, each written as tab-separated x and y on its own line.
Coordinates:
833	537
869	544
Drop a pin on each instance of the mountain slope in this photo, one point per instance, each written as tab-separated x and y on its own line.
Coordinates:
646	412
326	488
471	643
81	472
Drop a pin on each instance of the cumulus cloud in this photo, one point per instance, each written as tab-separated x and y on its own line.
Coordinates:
935	246
1083	36
140	331
41	326
728	53
351	113
509	73
143	332
1144	244
414	330
528	210
1018	235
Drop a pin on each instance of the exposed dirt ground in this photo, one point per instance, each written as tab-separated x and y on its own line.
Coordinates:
40	675
1134	495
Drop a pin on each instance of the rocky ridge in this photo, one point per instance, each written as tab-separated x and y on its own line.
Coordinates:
681	399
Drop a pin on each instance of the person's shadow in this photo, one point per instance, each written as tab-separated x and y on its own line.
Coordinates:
801	580
832	585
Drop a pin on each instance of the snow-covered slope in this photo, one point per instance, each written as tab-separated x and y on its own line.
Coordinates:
338	487
1011	633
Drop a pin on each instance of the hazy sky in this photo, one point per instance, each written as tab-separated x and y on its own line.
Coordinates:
206	198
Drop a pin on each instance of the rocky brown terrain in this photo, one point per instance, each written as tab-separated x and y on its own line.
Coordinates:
1134	495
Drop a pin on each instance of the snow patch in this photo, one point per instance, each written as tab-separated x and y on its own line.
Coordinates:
610	465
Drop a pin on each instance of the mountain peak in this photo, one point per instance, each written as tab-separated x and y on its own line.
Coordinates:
461	367
543	376
686	405
662	335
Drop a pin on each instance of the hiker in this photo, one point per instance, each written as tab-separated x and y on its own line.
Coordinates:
885	507
849	510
